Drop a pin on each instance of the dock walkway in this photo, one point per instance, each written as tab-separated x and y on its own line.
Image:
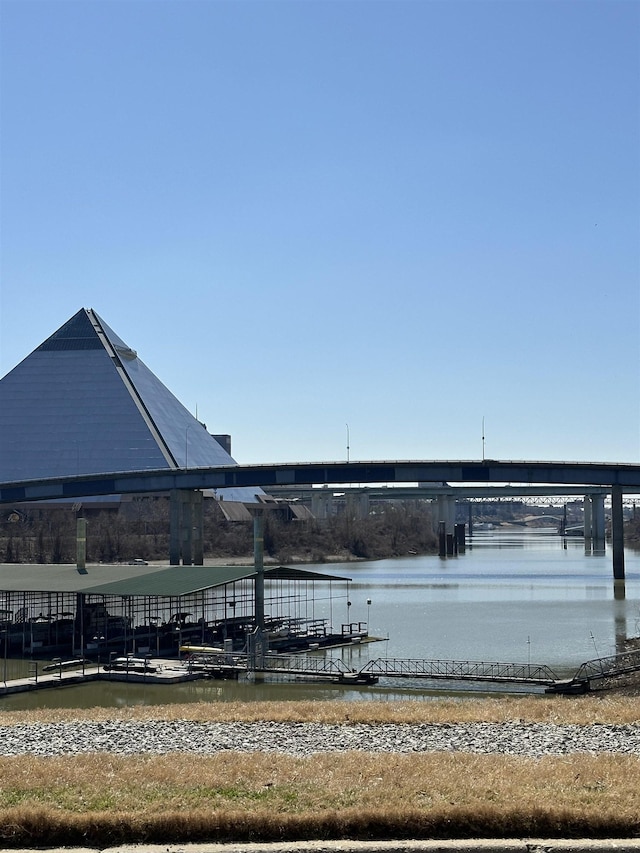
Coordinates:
159	672
316	667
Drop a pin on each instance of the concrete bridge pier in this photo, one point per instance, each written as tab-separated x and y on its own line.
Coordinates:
446	524
186	527
258	642
586	506
81	544
447	511
617	533
594	524
598	524
321	503
359	505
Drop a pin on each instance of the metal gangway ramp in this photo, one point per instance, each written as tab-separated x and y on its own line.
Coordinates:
312	667
612	666
528	674
304	666
467	670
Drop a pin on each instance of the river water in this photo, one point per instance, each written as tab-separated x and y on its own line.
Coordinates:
515	595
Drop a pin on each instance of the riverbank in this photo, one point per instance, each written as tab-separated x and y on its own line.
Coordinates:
265	772
295	559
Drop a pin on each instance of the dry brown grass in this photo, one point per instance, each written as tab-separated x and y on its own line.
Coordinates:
113	799
580	710
109	799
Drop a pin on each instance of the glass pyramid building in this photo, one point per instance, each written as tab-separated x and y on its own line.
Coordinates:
84	403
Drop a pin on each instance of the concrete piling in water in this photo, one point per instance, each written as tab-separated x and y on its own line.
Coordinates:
442	539
617	533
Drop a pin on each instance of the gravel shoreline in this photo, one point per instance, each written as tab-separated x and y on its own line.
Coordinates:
301	739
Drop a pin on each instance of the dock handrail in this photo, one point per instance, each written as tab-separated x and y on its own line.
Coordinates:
608	667
463	670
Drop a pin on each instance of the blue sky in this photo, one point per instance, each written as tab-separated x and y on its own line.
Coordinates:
404	217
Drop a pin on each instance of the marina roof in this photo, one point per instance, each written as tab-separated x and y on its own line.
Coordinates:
64	577
174	581
125	580
289	574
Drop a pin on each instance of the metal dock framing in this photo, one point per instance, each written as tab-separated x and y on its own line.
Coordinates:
523	674
315	667
454	670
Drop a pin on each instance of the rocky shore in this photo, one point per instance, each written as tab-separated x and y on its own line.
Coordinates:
301	739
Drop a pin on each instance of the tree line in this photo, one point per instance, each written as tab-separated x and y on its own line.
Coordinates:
140	530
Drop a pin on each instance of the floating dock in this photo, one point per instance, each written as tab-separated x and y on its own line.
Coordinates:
212	664
159	672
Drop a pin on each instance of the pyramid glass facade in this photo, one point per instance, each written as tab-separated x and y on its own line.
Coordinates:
84	403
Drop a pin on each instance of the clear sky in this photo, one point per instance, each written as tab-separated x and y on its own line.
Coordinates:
385	221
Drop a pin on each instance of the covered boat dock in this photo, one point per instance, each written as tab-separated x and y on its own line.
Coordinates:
61	610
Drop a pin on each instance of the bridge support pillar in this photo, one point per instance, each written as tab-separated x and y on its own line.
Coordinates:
81	544
362	505
617	533
258	645
442	539
447	512
321	503
598	524
356	505
174	527
594	524
197	503
186	528
446	524
258	564
587	519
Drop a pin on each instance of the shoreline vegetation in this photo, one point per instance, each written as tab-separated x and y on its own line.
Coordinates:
140	529
235	796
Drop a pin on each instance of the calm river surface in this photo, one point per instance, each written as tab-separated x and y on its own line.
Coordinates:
514	596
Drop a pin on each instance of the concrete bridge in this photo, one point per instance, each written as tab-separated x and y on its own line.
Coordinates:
184	484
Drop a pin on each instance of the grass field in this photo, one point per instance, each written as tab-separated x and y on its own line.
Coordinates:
105	800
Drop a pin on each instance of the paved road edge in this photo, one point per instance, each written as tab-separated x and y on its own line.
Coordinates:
532	845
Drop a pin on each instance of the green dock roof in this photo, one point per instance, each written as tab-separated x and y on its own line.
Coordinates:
126	580
174	581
